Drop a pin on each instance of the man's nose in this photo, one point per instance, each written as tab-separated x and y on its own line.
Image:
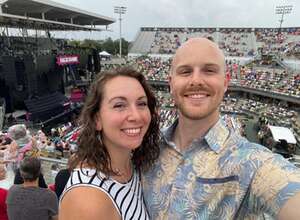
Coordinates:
196	77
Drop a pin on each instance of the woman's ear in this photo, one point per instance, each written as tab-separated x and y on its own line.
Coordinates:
98	123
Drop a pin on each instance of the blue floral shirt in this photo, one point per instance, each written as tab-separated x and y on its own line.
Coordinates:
220	176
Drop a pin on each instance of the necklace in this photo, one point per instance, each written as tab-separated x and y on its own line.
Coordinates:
123	177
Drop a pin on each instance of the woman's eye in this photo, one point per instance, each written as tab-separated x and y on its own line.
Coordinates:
142	104
119	105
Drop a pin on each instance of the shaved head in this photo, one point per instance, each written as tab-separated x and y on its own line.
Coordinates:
195	45
197	80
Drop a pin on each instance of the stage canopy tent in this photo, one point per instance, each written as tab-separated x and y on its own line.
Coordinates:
49	15
283	133
104	53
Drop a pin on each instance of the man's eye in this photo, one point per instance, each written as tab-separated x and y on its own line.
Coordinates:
185	71
210	70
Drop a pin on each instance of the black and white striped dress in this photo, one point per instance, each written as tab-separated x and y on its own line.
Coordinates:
127	198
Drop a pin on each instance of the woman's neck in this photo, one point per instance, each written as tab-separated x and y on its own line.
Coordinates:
121	163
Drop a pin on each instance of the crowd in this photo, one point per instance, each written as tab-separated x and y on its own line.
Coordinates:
281	43
238	42
275	80
276	113
118	138
31	197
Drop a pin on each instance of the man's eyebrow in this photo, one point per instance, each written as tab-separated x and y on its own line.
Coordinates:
182	67
212	65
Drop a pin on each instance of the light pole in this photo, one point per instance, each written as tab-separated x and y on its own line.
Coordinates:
120	10
282	10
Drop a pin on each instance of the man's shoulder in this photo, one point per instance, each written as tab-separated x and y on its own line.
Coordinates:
246	152
14	188
47	192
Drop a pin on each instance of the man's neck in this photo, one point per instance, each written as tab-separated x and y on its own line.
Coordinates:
34	183
187	130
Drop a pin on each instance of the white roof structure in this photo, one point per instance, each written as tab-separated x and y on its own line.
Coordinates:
49	15
104	53
283	133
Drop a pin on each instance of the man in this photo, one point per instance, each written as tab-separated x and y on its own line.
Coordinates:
28	201
205	170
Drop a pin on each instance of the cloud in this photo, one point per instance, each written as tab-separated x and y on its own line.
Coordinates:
189	13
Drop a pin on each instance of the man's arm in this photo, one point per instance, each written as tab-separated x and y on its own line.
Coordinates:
275	188
290	210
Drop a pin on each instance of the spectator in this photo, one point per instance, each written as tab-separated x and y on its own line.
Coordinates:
28	201
61	180
3	208
19	180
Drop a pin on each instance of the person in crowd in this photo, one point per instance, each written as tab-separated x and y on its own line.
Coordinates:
3	207
58	143
3	194
60	182
62	178
28	201
31	151
118	139
19	179
2	171
205	170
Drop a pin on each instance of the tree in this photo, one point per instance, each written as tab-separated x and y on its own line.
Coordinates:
109	45
125	45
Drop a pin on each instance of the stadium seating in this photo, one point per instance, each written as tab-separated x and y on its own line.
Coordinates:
236	42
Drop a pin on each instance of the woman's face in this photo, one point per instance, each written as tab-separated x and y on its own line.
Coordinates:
124	116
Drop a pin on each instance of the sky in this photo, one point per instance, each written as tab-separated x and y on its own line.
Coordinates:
184	13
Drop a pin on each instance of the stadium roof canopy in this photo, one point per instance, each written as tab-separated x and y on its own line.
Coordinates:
49	15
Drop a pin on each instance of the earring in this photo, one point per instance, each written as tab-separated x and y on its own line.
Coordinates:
99	137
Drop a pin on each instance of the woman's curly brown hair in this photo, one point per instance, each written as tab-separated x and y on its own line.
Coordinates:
91	151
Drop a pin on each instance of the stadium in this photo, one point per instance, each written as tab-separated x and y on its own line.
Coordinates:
44	80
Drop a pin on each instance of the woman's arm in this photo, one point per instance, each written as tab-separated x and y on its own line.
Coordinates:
87	203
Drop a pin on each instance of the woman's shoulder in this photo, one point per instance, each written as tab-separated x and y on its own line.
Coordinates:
83	203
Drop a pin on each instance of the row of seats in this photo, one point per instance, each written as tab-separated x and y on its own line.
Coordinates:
239	42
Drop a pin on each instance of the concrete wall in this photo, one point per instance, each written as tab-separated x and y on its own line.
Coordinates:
47	163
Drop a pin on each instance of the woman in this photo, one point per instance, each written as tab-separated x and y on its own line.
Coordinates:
119	138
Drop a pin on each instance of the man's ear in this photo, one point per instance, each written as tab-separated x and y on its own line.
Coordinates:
170	82
226	81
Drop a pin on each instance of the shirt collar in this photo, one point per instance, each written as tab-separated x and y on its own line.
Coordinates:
215	137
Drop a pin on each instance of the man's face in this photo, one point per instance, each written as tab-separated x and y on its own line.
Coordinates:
197	79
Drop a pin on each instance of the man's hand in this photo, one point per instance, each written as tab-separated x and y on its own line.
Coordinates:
290	210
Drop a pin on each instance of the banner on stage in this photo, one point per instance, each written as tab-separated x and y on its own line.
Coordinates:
67	59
